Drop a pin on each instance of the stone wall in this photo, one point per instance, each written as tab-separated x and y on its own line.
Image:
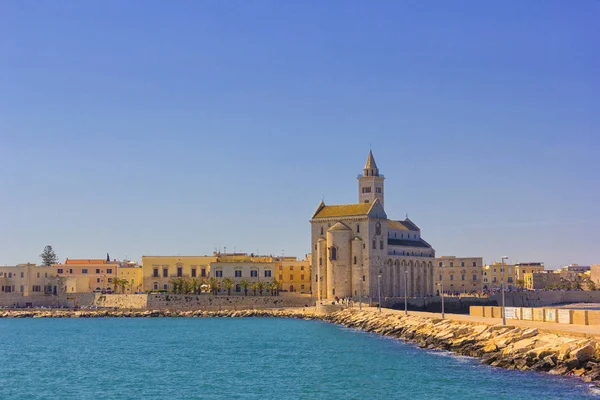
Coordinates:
40	300
547	298
542	314
134	301
162	301
455	305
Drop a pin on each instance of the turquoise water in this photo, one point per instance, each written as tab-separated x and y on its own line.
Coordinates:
246	358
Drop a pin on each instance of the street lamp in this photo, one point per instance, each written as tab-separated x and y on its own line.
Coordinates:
379	288
502	288
406	292
441	285
360	288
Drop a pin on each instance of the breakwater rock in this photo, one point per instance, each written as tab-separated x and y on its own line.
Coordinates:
501	346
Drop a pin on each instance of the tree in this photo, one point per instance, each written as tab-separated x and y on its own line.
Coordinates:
260	286
214	285
48	256
227	284
591	285
273	286
254	288
245	285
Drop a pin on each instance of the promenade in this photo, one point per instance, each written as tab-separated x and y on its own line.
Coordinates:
590	331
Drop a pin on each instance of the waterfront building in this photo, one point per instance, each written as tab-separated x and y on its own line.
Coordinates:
293	275
595	273
576	268
27	280
242	267
458	274
541	279
132	273
158	271
492	276
87	275
357	250
530	267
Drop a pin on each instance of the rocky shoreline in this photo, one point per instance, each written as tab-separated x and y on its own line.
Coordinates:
501	346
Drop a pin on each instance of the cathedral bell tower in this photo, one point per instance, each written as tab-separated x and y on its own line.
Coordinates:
370	184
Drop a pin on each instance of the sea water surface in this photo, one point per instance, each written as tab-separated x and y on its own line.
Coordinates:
243	358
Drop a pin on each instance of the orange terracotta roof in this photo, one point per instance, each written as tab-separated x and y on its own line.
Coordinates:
93	261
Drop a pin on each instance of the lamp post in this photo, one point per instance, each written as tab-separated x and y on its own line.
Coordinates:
379	289
502	288
441	285
406	292
360	288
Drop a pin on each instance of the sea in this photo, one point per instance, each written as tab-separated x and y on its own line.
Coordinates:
244	358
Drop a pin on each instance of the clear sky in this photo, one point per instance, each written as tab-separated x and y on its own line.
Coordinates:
162	128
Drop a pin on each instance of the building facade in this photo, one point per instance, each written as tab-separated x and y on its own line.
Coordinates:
458	274
132	273
241	268
494	273
28	280
527	268
158	271
293	275
85	276
356	250
541	280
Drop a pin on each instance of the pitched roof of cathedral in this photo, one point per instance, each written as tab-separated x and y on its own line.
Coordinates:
342	210
371	164
410	225
396	225
406	225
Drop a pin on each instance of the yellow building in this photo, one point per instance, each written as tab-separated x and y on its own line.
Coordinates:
293	275
132	273
27	280
158	271
85	276
458	274
493	273
527	268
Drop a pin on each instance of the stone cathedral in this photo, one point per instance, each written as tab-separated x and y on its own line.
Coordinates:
355	245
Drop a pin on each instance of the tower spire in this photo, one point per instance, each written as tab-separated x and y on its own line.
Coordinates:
370	184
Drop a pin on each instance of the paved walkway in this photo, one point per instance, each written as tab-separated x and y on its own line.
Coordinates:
591	331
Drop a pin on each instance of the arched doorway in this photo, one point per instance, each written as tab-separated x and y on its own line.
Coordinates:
291	288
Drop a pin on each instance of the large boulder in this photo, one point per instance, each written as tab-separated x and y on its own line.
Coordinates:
584	353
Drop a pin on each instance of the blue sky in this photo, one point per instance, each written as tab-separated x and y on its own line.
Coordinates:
161	128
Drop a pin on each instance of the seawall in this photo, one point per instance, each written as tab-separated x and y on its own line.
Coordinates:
502	346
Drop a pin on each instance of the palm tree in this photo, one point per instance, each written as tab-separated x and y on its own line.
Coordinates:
115	282
227	283
273	286
260	285
175	284
123	284
214	285
245	284
254	288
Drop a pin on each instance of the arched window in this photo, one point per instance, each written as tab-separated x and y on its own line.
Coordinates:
374	244
378	229
357	228
333	253
320	261
321	230
354	259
